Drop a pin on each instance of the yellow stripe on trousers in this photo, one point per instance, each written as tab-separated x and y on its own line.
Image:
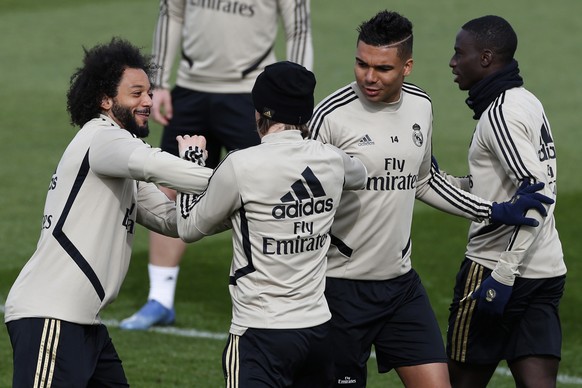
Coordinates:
465	313
47	353
232	362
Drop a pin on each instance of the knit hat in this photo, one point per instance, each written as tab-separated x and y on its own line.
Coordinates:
283	92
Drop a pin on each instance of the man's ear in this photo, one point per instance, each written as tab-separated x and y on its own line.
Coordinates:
486	58
106	103
408	67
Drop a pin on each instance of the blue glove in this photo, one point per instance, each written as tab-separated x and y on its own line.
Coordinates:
491	296
526	197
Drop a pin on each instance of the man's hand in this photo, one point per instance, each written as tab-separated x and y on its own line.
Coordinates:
491	296
525	198
192	148
162	106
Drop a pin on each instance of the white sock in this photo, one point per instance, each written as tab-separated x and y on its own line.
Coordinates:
163	282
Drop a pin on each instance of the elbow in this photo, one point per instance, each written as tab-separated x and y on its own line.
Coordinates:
189	235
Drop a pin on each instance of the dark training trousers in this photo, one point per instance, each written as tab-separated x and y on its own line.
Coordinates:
50	352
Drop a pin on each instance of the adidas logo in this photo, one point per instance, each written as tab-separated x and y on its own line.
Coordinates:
300	200
365	141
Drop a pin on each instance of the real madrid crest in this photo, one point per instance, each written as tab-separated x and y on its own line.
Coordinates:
417	137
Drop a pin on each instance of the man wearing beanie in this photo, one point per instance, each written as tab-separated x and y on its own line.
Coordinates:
280	199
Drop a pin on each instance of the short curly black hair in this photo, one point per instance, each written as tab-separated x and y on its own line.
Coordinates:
103	67
388	28
494	33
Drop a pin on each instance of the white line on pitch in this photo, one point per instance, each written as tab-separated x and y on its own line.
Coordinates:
193	333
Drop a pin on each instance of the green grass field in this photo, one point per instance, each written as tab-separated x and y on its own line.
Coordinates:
41	45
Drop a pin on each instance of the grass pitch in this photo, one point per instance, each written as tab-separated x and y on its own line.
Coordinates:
42	44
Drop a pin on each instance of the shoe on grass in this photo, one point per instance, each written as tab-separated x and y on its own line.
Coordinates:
153	313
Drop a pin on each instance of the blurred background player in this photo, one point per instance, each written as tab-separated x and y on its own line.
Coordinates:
223	49
91	210
515	276
375	296
280	199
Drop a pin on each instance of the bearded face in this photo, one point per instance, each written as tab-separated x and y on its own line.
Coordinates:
126	117
130	108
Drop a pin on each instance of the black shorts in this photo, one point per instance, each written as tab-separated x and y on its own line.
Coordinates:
530	325
262	358
393	315
51	352
225	120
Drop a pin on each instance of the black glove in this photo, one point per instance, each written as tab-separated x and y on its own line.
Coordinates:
526	197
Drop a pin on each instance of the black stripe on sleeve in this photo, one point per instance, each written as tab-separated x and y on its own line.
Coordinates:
161	42
301	29
342	97
415	90
457	197
502	132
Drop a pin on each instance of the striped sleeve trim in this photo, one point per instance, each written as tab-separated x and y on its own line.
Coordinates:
459	198
415	90
302	25
340	98
186	202
160	44
509	149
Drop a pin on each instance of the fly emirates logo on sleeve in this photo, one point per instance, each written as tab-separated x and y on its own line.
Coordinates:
306	198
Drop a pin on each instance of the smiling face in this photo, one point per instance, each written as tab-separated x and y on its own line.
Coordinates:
130	109
380	72
469	63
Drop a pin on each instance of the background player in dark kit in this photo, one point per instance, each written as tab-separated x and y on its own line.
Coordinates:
223	50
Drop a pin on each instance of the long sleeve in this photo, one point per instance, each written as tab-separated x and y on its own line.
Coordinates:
208	213
167	39
439	193
115	153
155	211
355	171
296	17
165	169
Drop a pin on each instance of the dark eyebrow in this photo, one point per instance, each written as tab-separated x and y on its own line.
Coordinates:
381	67
137	86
